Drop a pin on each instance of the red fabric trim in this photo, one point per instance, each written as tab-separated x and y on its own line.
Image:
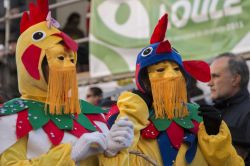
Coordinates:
96	117
164	47
160	30
196	127
78	130
200	70
23	126
150	131
175	134
112	111
30	59
137	70
54	133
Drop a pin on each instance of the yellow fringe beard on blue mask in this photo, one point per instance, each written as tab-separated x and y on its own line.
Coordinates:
62	95
169	97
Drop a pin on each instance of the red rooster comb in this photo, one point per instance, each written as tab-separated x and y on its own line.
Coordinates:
37	14
160	30
159	35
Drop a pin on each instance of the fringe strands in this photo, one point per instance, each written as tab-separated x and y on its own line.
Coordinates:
170	97
62	95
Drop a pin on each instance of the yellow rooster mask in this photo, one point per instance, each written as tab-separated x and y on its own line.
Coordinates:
42	45
168	88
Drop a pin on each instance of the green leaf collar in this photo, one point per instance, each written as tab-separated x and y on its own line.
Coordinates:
186	122
38	117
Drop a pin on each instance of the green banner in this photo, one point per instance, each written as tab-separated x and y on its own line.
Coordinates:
198	29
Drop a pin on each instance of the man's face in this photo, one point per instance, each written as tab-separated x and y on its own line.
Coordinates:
222	80
93	99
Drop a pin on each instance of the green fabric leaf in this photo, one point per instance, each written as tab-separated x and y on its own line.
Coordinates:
193	111
192	107
36	114
184	122
88	108
13	106
160	124
37	117
85	122
62	121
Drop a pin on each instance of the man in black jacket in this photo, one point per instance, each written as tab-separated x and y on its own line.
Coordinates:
228	84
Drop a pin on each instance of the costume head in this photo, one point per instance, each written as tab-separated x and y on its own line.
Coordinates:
161	72
42	45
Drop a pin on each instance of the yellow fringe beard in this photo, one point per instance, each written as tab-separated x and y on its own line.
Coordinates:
170	97
62	95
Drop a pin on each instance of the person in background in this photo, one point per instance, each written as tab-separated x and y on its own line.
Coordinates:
72	26
94	95
228	84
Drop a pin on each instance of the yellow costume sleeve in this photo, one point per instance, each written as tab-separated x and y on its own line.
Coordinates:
132	106
16	156
120	159
218	149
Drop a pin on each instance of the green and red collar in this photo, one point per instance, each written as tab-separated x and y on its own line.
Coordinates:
174	128
31	116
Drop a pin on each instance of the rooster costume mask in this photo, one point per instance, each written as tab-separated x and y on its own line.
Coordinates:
41	43
165	71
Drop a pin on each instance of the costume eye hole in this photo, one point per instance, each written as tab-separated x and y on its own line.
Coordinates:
177	69
147	51
160	69
61	58
39	35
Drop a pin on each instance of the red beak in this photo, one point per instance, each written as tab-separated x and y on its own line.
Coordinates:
69	42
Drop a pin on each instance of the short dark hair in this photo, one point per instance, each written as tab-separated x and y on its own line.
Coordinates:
72	16
237	65
96	91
